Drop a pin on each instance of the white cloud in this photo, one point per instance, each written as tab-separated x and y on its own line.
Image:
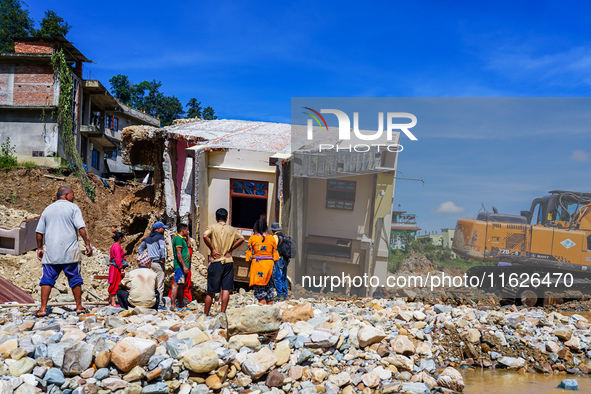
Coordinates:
579	155
448	207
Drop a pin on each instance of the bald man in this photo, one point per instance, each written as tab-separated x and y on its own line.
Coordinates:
59	226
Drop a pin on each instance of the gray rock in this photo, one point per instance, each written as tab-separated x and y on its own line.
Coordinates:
101	374
569	384
438	308
55	376
322	337
155	360
158	388
77	358
253	320
416	388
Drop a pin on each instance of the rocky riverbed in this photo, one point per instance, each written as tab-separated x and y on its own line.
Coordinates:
303	346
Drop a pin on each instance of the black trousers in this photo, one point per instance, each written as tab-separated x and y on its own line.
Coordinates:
123	299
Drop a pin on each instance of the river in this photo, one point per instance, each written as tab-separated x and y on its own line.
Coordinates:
486	381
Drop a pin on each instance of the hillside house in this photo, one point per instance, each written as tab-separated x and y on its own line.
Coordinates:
29	92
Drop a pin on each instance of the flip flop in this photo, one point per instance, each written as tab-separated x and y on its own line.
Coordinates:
39	315
83	311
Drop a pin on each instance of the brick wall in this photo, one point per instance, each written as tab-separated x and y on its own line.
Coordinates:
34	47
4	70
33	85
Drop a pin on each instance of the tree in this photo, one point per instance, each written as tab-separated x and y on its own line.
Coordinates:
14	22
53	25
209	113
194	109
121	88
169	108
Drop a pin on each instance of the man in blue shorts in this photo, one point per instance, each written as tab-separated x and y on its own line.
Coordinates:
182	264
59	226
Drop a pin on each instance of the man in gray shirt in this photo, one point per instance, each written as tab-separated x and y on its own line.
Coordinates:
155	246
59	226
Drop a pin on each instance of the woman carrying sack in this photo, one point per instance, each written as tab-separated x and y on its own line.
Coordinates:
262	254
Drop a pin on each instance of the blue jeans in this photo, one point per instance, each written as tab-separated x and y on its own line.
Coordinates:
280	277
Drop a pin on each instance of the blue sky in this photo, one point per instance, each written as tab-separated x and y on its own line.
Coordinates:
248	59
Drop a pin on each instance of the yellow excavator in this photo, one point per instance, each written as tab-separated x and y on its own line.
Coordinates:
552	240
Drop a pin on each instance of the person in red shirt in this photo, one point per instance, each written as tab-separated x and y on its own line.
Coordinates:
116	268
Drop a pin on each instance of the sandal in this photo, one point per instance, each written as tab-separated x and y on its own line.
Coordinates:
40	315
83	311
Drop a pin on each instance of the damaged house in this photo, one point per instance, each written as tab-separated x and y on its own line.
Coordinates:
336	206
29	93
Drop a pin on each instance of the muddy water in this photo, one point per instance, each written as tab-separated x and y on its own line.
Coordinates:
486	381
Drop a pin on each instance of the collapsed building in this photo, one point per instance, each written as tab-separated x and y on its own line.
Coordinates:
337	206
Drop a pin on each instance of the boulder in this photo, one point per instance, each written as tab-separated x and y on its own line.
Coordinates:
451	379
195	334
249	340
77	357
302	312
54	376
213	382
322	337
473	335
130	352
22	366
563	333
369	334
340	379
114	384
257	364
253	319
371	379
402	345
569	384
274	379
201	359
282	352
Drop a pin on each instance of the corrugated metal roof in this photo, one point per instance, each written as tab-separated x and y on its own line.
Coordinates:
234	134
11	293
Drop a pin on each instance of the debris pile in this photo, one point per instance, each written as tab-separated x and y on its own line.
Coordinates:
11	217
305	346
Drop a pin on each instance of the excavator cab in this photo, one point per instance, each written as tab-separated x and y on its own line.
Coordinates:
555	231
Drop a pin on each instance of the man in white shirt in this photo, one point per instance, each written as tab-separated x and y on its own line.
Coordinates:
139	287
58	227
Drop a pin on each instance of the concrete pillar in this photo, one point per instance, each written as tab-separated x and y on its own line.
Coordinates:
169	189
186	191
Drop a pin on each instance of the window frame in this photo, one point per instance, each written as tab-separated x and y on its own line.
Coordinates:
336	201
242	195
233	194
98	159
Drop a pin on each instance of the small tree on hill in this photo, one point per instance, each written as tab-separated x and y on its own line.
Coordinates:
14	22
53	25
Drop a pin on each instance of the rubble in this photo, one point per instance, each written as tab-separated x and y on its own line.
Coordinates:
358	345
12	217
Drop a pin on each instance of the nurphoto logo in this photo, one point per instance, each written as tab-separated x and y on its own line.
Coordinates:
344	130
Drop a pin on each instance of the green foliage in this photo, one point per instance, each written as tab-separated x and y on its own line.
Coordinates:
146	96
439	256
121	88
7	154
29	165
65	120
209	113
53	25
195	110
14	22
